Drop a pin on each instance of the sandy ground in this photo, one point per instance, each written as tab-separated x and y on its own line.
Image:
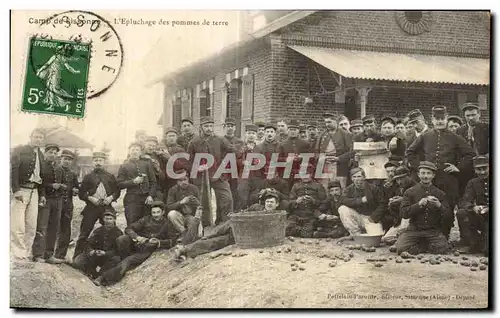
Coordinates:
261	279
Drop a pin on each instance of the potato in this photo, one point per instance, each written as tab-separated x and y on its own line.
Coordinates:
297	258
466	264
420	256
278	251
399	260
294	268
474	264
465	258
456	253
302	268
484	260
482	267
351	254
328	239
455	261
303	261
408	260
347	259
393	249
332	264
261	251
302	242
473	269
378	264
424	260
405	255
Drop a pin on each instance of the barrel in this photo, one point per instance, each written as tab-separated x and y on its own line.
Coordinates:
258	228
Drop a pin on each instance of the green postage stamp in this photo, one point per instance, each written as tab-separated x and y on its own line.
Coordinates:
56	77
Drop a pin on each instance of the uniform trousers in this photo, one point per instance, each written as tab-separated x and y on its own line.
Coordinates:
47	227
416	241
23	219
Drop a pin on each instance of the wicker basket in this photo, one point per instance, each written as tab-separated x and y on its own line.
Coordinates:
258	228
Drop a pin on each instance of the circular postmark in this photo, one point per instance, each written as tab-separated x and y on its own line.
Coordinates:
106	56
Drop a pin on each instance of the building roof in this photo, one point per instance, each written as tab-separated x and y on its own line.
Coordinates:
400	67
65	138
212	61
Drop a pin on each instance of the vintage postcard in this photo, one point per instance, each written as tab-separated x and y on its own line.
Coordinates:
250	159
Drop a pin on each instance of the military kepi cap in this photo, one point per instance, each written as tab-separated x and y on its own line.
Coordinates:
302	127
68	154
52	146
136	144
271	125
99	154
468	106
251	127
427	165
391	163
334	184
455	118
293	124
329	115
230	121
368	119
188	119
158	204
171	129
109	211
439	111
388	119
400	172
206	120
151	138
414	115
260	124
356	123
311	126
481	161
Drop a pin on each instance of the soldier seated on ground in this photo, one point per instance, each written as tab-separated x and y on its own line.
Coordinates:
473	210
328	223
182	201
222	235
305	198
427	207
362	206
141	239
402	182
101	248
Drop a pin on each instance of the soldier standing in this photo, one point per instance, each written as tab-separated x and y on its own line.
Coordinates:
187	126
448	151
158	161
312	135
70	188
395	141
303	132
28	193
400	127
48	216
473	210
454	122
218	147
98	189
170	149
416	126
475	132
356	126
337	145
138	177
261	131
293	146
238	145
344	123
370	133
282	133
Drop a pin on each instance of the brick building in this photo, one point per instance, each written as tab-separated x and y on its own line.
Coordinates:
299	64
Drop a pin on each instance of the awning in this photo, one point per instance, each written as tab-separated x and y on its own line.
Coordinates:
400	67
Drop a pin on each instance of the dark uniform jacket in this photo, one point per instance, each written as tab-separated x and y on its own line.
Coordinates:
149	228
184	140
217	146
363	137
69	178
91	181
400	148
481	134
22	165
440	147
180	163
281	138
307	209
131	169
342	141
477	192
177	193
158	161
267	149
331	206
374	207
104	239
52	173
427	217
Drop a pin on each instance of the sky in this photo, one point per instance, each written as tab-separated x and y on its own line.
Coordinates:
131	103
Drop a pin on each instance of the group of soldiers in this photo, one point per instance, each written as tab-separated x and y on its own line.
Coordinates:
430	179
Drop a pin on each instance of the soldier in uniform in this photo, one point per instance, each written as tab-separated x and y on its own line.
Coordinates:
337	145
329	223
395	141
370	132
362	206
416	126
473	210
138	177
293	146
182	202
98	189
312	135
282	133
48	215
142	238
270	144
69	190
428	209
187	132
218	147
158	160
454	122
101	248
140	136
260	132
305	199
449	152
475	132
239	146
171	148
251	132
344	123
400	127
356	126
28	193
303	132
